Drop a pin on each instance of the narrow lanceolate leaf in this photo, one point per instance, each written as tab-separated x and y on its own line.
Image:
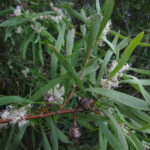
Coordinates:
40	53
122	98
104	66
12	22
58	45
54	137
26	44
43	90
121	135
45	141
143	91
5	100
17	138
69	43
61	136
112	140
126	54
67	66
108	8
74	13
145	72
93	32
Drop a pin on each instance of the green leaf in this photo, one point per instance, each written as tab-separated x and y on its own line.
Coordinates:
143	91
13	22
108	8
44	89
58	44
109	136
17	138
74	13
40	53
120	133
98	9
145	72
102	141
5	100
53	128
126	54
122	98
46	144
61	136
93	32
69	43
10	137
123	37
131	81
67	66
25	45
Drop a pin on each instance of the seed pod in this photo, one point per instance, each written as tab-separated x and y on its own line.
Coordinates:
75	132
87	103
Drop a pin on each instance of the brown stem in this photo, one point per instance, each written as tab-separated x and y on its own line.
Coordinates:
47	114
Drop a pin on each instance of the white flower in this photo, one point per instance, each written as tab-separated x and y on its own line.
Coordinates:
113	65
9	64
17	115
124	128
56	94
114	82
22	123
5	114
17	11
19	30
25	72
105	32
37	27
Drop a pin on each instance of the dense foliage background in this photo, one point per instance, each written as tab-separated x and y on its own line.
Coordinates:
65	55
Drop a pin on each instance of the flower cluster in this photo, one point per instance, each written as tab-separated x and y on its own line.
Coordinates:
105	32
16	115
25	72
59	12
37	27
55	95
114	82
124	128
17	11
19	30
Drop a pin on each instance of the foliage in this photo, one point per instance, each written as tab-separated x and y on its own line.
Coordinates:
76	78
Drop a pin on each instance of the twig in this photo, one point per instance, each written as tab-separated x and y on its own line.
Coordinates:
47	114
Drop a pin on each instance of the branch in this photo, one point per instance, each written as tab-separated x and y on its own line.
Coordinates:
47	114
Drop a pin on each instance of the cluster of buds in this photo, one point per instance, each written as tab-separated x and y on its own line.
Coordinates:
55	95
17	11
87	103
19	30
114	82
16	115
25	72
37	27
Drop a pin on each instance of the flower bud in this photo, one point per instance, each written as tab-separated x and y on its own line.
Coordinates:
87	103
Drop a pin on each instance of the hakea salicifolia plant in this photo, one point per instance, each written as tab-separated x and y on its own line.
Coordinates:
16	115
114	82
